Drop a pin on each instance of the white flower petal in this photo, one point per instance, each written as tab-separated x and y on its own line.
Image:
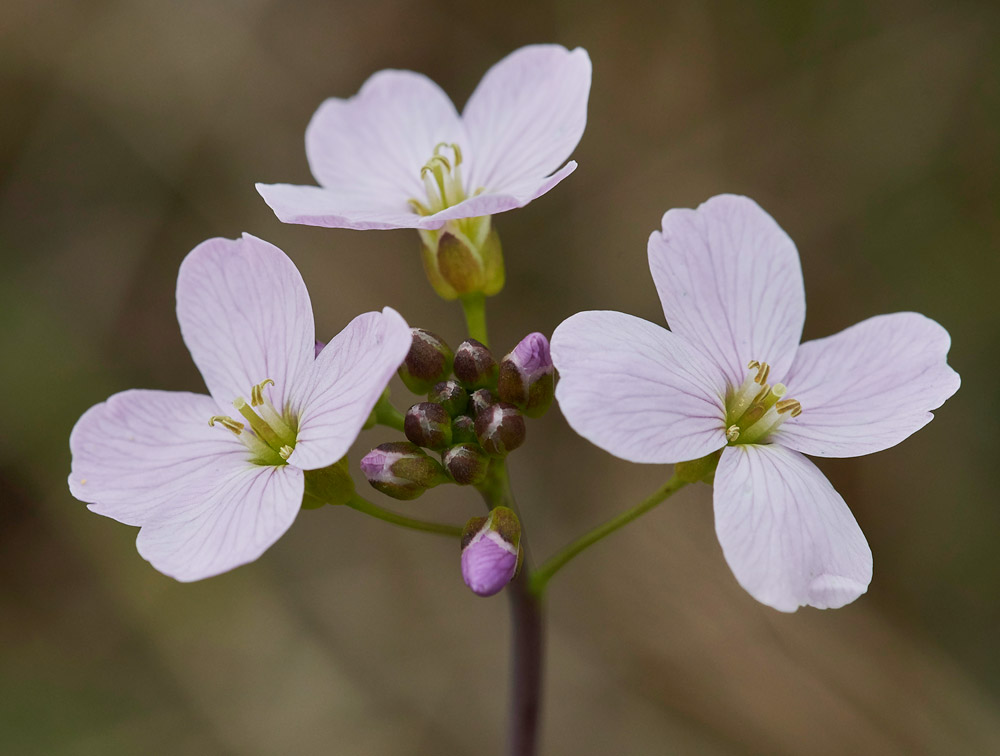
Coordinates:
374	144
245	315
134	454
229	521
526	116
347	380
868	387
730	282
636	390
787	535
340	208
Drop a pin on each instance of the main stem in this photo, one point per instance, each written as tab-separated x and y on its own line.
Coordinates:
527	638
544	573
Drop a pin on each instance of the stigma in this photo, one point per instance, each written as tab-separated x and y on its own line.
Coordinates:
270	436
756	409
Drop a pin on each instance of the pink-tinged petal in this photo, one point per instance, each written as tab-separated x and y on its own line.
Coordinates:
636	390
526	116
730	281
230	520
347	380
245	315
488	563
787	535
868	387
374	144
513	196
339	208
136	452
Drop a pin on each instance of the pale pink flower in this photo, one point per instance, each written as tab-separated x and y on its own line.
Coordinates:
398	154
214	480
731	375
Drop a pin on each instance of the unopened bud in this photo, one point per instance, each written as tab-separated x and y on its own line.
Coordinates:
427	424
500	429
402	470
451	395
480	400
467	464
463	430
474	365
527	378
491	551
427	363
319	347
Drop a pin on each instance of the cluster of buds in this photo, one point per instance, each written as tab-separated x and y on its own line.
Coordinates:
474	412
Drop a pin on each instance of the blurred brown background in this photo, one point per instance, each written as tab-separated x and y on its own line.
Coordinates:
131	130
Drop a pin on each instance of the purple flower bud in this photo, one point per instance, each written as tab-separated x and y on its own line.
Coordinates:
480	400
500	429
401	470
474	365
467	464
491	552
527	376
319	347
451	395
463	430
427	363
427	424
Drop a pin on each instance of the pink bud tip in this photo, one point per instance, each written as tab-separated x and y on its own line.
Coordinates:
488	563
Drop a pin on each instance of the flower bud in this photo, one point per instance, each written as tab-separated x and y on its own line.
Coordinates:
467	464
427	363
402	470
319	347
474	365
491	551
428	424
500	429
463	430
527	378
480	400
451	395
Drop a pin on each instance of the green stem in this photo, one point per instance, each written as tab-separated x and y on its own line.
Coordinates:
387	414
474	307
366	507
543	574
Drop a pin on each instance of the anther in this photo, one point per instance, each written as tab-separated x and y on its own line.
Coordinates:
732	433
227	422
285	451
257	392
789	405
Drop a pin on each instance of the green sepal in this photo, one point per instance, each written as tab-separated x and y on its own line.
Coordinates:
330	485
698	470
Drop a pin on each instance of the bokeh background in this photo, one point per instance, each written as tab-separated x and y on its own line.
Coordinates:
131	130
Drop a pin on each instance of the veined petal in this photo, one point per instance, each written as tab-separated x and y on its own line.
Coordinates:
339	208
636	390
513	196
787	535
868	387
526	116
730	282
229	520
134	454
245	315
347	379
375	143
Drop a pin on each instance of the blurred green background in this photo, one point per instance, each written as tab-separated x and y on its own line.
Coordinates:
131	130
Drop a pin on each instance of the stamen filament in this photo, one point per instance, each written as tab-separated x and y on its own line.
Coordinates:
227	422
261	428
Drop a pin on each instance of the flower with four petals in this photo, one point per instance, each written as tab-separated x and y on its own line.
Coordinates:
731	375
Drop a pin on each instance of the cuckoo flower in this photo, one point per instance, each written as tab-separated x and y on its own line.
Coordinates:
398	154
214	480
732	375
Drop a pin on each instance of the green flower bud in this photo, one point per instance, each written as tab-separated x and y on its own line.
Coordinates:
500	429
527	376
428	424
451	395
463	430
467	464
402	470
481	400
474	365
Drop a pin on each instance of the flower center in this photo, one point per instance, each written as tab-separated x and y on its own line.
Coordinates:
442	177
756	408
271	438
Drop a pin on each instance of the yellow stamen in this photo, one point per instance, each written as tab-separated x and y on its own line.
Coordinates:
257	392
227	422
